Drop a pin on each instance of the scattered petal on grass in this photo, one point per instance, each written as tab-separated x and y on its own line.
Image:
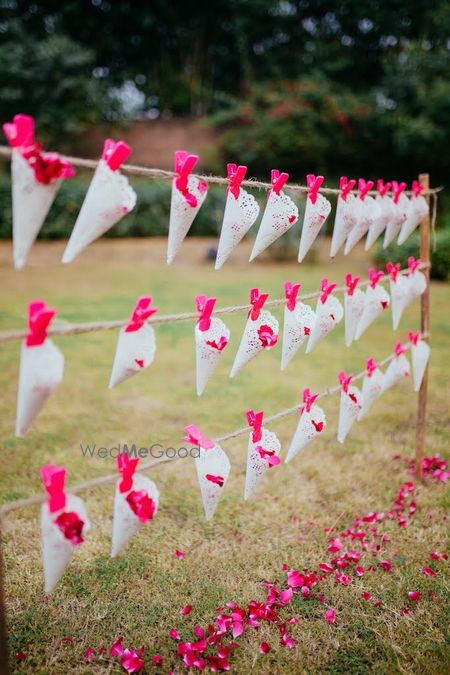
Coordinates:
186	610
132	661
295	579
386	565
330	615
406	611
157	660
89	654
366	596
438	556
117	648
414	595
286	596
174	634
428	571
325	567
21	656
360	571
102	650
264	648
335	545
180	555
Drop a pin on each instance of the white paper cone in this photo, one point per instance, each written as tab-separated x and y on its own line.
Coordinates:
417	211
400	215
57	551
126	523
251	345
345	220
349	409
417	284
371	390
207	357
280	214
41	370
257	466
216	463
182	214
328	315
135	351
31	202
297	326
315	217
239	216
306	431
399	298
369	211
109	198
375	302
420	353
380	223
354	307
398	368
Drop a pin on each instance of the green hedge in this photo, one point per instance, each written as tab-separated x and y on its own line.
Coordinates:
440	253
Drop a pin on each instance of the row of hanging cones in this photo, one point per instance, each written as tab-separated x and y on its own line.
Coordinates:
37	176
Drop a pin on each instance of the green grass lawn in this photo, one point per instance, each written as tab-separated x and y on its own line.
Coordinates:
139	594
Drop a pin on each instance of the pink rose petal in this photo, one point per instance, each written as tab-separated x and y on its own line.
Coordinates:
414	595
180	555
428	571
264	648
89	654
174	634
330	615
186	610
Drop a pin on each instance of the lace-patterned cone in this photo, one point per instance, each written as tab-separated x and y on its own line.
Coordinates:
315	217
126	523
257	466
182	215
310	425
135	351
109	198
251	344
369	211
328	315
354	307
417	211
57	551
213	463
398	369
399	298
371	390
41	371
239	216
375	302
207	355
280	215
345	220
349	410
420	353
400	215
380	223
297	326
31	202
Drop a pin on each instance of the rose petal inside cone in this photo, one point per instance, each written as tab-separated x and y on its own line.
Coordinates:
259	456
126	522
252	342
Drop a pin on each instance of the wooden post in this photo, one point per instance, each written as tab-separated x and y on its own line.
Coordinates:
425	328
4	668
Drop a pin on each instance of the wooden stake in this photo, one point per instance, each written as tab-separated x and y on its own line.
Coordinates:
424	178
4	668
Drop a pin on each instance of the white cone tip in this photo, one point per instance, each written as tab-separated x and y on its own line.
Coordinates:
134	353
213	469
349	409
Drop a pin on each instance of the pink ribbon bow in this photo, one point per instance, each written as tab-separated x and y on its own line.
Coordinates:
413	264
205	306
277	181
195	436
126	466
346	187
413	337
257	301
313	183
364	188
115	153
382	187
290	293
399	349
326	289
142	311
20	132
351	282
375	276
184	163
393	270
39	317
308	399
236	175
344	381
255	421
371	366
417	188
397	189
54	479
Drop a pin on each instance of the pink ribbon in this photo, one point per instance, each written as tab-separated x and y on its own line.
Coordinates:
351	282
393	270
195	436
255	421
54	479
39	317
308	400
184	163
313	183
397	189
326	289
290	293
413	337
413	264
115	153
236	175
346	187
257	301
382	187
375	276
417	188
344	381
364	188
20	132
142	311
277	181
205	306
126	467
371	366
399	349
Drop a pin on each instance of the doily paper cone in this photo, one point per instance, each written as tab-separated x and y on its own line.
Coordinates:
310	425
404	291
297	327
207	356
417	211
369	211
109	198
420	353
212	462
398	369
126	523
315	217
349	409
380	223
41	370
354	307
328	315
371	390
182	214
251	344
281	213
375	302
345	220
256	465
239	216
400	215
135	351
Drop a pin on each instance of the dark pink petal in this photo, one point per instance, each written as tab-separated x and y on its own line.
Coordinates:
325	567
414	595
330	615
174	634
406	611
428	571
366	596
335	545
295	579
286	596
89	654
186	610
386	565
102	650
117	648
199	631
264	648
131	661
157	660
180	555
360	571
21	656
